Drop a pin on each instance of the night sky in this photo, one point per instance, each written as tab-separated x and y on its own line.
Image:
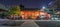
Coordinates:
27	3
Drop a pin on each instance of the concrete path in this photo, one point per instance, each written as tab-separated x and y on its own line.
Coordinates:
29	24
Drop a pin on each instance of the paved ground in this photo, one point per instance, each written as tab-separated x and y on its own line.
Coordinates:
29	24
48	24
17	23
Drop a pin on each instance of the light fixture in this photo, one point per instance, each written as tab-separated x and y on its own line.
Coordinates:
43	7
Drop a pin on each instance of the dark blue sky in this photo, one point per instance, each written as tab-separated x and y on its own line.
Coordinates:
27	3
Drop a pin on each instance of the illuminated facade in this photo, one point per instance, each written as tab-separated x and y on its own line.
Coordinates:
33	14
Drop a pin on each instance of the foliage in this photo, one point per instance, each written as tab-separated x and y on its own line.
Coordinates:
13	10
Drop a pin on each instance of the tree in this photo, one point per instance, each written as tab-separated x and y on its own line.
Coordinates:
14	10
